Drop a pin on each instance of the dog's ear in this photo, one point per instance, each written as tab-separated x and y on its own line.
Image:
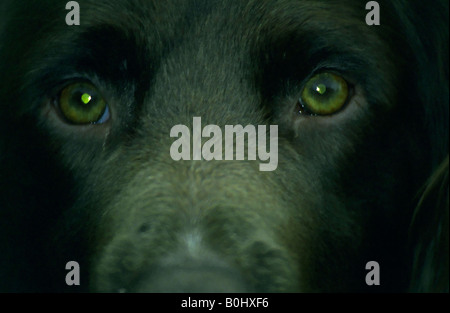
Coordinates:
428	35
428	38
429	235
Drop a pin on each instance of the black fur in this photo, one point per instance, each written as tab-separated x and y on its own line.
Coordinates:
350	188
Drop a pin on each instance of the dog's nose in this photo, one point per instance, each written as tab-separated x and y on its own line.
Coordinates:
194	277
193	268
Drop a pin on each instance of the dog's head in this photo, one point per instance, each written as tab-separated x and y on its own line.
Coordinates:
87	174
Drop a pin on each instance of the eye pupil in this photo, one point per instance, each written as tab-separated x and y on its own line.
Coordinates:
321	89
86	98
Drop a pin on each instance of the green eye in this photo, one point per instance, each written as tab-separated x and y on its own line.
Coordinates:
324	94
81	103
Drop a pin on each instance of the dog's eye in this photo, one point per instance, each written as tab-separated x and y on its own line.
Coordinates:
81	103
324	94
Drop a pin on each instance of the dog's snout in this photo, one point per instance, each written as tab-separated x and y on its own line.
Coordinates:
194	268
193	277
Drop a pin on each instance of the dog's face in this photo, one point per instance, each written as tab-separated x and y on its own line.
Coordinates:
86	172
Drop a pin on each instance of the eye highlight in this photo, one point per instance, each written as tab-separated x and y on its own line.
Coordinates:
82	103
324	94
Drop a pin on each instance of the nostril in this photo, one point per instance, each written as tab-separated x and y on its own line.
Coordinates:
145	227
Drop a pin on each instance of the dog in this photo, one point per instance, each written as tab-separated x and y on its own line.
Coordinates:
357	201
